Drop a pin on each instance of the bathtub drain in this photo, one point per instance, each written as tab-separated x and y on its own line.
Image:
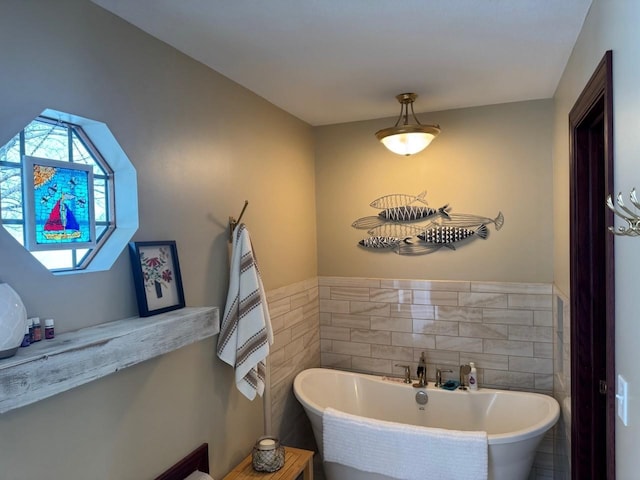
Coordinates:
421	397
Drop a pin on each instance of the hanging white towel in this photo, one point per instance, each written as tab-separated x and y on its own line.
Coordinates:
403	451
245	333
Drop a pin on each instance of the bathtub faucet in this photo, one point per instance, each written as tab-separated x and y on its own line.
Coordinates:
439	376
407	372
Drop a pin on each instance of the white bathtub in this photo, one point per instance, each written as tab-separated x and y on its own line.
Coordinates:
514	421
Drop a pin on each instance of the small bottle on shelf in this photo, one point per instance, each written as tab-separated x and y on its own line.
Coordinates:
37	329
49	331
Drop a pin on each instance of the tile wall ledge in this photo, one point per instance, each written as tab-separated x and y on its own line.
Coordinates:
477	286
74	358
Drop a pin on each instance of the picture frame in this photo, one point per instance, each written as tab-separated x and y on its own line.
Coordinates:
156	275
59	212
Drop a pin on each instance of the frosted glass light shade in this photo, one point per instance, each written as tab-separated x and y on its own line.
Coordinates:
407	137
13	320
408	143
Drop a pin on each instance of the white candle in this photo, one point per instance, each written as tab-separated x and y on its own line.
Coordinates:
267	442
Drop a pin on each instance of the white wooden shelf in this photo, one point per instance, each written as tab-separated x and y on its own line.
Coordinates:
72	359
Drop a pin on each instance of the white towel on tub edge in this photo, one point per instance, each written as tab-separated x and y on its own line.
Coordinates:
198	475
407	452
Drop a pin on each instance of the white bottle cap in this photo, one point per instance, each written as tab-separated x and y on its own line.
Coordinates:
472	364
48	322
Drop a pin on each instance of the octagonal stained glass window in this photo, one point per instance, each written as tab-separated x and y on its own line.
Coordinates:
58	192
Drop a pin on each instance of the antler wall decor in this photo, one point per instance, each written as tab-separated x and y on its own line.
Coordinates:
632	217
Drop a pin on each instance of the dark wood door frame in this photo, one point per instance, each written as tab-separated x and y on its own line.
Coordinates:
592	280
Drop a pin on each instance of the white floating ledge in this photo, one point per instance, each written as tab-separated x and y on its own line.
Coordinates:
72	359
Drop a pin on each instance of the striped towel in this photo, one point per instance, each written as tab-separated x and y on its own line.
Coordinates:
245	333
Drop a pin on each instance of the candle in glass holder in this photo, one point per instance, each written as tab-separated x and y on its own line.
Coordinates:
267	444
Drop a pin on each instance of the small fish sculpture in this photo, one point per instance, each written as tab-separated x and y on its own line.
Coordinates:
370	222
392	229
415	249
446	236
410	213
398	200
382	242
44	199
72	182
53	189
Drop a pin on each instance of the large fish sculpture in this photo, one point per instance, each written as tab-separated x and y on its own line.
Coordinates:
470	220
411	213
446	236
408	213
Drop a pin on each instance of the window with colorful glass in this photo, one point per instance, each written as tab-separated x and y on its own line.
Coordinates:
56	193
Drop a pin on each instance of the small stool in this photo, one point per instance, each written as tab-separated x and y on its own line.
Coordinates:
296	461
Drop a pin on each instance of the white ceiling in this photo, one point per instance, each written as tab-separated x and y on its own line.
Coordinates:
333	61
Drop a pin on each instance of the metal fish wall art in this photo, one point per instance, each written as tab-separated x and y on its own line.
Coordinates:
446	236
393	229
398	200
408	229
411	213
408	213
469	220
382	242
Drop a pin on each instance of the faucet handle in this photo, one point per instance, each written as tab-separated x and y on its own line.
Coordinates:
407	372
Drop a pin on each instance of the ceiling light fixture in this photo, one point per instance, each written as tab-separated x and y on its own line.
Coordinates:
406	138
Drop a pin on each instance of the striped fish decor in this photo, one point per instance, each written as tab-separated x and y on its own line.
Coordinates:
446	236
411	213
406	225
377	241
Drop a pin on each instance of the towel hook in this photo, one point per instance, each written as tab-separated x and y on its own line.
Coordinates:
233	222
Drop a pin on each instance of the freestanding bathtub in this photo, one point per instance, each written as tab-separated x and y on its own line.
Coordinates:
515	422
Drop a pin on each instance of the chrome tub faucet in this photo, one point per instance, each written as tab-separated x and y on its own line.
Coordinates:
439	376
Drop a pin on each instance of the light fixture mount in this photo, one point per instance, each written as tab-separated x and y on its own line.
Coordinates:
406	138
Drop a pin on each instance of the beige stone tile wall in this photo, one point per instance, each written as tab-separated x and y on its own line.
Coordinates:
562	375
371	325
294	317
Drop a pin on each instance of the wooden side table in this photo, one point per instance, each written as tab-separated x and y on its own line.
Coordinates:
296	461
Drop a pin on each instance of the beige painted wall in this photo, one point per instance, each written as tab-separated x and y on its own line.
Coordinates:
610	25
184	128
487	159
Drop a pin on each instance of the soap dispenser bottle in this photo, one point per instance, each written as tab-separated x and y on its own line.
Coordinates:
473	377
422	367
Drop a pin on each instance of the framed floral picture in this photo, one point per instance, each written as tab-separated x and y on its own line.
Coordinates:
156	275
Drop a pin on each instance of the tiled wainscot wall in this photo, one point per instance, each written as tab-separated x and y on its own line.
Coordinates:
294	317
370	325
562	383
